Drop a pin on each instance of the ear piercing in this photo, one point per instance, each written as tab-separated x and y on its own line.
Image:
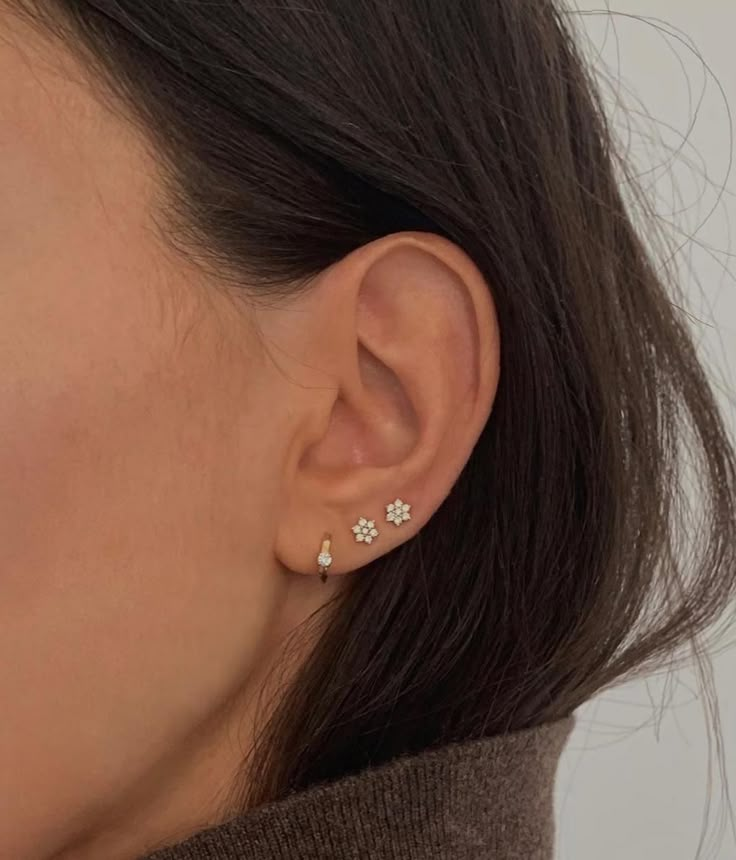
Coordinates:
324	559
364	531
398	512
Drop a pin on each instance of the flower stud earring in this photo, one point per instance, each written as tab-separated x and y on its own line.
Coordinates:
324	559
365	531
397	512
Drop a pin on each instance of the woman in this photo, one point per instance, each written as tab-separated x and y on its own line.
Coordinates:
342	429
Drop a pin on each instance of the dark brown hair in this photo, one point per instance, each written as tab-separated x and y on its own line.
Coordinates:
593	529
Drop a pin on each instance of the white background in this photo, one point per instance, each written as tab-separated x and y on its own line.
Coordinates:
633	783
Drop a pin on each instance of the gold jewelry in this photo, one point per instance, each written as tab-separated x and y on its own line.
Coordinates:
397	512
324	559
365	531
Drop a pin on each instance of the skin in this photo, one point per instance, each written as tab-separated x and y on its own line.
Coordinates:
171	454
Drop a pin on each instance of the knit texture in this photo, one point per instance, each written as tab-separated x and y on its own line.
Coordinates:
488	798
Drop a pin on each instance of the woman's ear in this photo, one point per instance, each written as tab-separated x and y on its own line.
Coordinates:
405	329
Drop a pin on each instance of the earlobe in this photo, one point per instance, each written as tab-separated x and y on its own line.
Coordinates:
416	372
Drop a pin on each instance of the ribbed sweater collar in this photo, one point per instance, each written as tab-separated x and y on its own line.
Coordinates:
483	798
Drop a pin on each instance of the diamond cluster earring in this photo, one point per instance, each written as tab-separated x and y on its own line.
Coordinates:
365	530
397	512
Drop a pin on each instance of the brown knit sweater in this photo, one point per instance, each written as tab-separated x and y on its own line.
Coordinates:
490	798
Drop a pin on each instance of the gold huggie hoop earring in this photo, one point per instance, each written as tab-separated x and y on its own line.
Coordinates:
324	559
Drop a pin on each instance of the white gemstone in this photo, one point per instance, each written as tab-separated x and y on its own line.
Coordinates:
362	521
368	539
356	529
370	524
324	559
360	537
374	532
390	507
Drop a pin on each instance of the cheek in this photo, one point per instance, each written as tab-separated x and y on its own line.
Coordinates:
137	485
129	559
